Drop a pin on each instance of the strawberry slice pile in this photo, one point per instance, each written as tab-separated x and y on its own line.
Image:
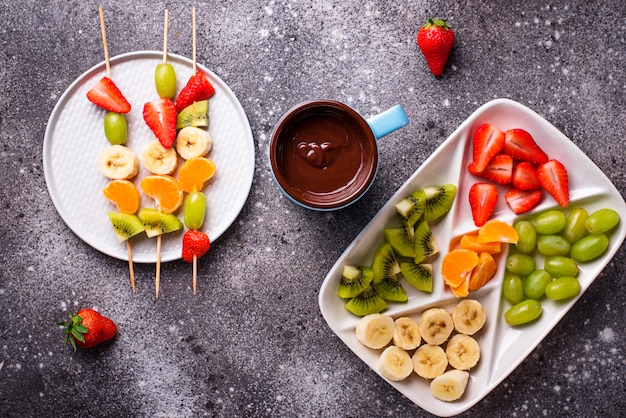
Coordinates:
512	158
195	244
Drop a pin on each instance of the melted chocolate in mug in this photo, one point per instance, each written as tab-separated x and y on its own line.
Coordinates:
324	155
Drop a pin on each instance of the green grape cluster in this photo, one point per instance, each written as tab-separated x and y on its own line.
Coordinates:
561	242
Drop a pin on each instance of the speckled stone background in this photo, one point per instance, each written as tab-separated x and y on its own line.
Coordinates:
253	342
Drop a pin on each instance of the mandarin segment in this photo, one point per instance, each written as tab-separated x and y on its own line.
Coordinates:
123	194
483	272
470	242
496	230
165	191
457	265
194	173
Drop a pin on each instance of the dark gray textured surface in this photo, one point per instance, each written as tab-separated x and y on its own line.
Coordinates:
252	342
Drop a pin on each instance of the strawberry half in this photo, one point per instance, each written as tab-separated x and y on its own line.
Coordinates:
525	176
106	95
488	141
520	145
483	198
160	116
195	243
88	328
521	201
435	39
197	88
553	179
499	170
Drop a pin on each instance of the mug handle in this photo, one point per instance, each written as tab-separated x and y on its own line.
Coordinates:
388	121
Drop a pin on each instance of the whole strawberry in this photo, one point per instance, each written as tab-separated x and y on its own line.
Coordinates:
435	39
195	243
88	328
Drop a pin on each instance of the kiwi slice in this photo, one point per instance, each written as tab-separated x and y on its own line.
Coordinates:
157	223
439	200
367	302
401	240
420	276
411	208
353	280
424	242
384	262
196	114
390	288
125	225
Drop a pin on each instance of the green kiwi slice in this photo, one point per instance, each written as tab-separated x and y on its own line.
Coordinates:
412	207
196	114
157	223
424	242
420	276
384	262
401	240
439	200
367	302
125	225
390	288
354	279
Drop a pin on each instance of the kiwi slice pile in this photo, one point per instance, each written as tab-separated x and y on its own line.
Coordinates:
404	254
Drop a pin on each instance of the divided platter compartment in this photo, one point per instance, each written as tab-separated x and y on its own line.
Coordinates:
503	347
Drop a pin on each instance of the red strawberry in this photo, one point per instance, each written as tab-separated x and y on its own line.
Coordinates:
435	39
521	201
88	328
106	95
487	142
482	198
553	179
197	88
499	170
160	116
520	145
525	176
195	243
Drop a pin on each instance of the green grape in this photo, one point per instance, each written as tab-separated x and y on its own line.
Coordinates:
535	284
575	227
553	245
195	208
589	247
521	264
513	288
550	222
601	221
523	312
559	266
165	80
527	237
115	128
563	288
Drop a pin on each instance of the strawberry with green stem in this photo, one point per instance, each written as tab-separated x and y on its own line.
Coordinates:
436	39
88	328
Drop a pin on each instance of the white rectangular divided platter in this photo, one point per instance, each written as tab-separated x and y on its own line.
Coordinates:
503	348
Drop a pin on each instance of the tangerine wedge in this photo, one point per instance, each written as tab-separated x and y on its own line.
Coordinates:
194	173
470	242
456	268
483	272
165	191
123	194
495	230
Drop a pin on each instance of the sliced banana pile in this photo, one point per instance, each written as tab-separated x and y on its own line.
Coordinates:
448	352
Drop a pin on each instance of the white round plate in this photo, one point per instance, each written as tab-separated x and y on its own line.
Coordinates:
75	137
502	347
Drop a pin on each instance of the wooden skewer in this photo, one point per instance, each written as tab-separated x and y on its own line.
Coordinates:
165	25
104	42
195	273
157	279
130	265
193	37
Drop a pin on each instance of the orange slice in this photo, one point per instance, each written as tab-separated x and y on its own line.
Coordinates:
123	194
165	191
456	268
470	242
483	272
194	173
495	230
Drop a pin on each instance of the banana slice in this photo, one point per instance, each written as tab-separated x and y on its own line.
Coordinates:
469	317
118	162
463	352
375	330
406	334
395	363
193	142
435	325
450	386
158	159
430	361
